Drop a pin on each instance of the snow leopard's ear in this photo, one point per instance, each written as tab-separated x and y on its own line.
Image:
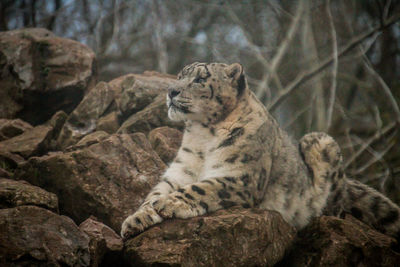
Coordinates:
235	71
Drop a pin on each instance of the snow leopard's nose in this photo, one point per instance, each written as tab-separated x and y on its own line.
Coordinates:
172	93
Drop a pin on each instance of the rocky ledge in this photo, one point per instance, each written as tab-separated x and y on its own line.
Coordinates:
73	152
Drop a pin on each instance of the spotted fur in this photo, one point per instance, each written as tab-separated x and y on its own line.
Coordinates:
234	153
324	159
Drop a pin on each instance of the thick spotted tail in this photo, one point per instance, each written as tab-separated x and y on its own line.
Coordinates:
323	157
367	205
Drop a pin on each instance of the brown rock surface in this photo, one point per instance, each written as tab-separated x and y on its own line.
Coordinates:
88	140
39	69
235	237
10	161
4	173
153	116
330	241
105	245
33	142
108	180
138	91
36	141
32	236
11	128
109	123
166	142
19	193
83	120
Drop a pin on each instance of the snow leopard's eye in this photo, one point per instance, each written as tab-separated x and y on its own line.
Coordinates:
199	80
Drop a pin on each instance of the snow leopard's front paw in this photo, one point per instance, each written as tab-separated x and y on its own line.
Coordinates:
139	221
175	206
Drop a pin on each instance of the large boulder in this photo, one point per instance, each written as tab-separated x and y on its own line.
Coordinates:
135	100
141	101
105	245
330	241
235	237
108	180
38	69
32	236
21	193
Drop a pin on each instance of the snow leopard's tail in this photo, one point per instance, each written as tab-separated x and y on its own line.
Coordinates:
323	157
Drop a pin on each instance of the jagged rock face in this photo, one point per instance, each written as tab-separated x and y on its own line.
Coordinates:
105	245
330	241
83	120
11	128
39	69
108	179
20	193
166	142
33	236
36	141
235	237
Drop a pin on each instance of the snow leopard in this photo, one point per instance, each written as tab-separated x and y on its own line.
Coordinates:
234	153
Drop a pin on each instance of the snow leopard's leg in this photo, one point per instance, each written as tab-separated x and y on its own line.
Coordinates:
207	196
146	216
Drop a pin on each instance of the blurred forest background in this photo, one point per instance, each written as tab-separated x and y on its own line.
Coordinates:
318	65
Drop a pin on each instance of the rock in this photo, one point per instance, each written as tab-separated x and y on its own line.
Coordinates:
19	193
166	142
109	123
153	116
11	128
138	91
83	120
39	69
234	237
56	122
108	180
10	161
33	142
105	245
4	173
33	236
330	241
89	140
37	141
